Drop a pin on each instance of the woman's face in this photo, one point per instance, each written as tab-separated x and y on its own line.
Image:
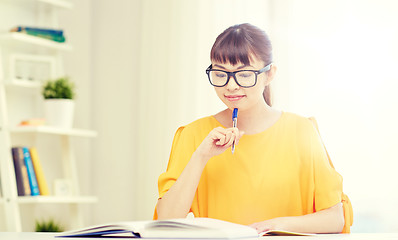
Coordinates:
235	96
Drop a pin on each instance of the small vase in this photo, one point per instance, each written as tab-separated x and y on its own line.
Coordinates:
59	112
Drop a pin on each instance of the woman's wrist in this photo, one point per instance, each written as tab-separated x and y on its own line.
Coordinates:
200	157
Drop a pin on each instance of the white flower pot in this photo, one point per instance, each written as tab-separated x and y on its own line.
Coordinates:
59	112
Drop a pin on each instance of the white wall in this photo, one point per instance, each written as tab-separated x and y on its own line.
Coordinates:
115	67
77	24
341	65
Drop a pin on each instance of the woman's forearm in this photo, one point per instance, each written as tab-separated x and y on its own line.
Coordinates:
177	202
330	220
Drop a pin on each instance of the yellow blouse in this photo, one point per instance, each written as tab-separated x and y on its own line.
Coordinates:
282	171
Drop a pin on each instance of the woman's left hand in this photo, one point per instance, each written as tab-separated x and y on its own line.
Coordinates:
271	224
330	220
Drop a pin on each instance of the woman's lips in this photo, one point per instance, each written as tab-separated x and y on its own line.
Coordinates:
234	98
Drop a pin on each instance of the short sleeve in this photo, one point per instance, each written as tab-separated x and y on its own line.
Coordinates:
181	152
347	207
328	183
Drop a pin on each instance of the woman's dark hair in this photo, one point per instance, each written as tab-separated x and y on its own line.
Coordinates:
237	43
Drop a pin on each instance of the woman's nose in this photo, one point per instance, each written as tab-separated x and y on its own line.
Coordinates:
232	85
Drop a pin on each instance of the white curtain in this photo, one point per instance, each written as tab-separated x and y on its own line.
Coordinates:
340	60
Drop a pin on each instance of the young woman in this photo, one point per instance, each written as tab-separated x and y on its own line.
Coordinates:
279	175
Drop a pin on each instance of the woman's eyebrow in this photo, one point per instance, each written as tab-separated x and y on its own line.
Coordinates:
240	67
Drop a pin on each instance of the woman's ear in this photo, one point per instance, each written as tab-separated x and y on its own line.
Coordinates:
270	74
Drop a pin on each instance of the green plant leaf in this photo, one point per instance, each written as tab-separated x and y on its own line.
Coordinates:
59	88
48	226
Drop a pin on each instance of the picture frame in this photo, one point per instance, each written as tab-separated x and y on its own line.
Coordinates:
31	69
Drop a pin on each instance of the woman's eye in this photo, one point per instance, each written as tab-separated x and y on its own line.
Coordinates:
245	74
220	75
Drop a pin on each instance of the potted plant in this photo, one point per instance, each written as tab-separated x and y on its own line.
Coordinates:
48	226
59	102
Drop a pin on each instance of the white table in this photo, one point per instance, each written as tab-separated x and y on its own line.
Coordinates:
352	236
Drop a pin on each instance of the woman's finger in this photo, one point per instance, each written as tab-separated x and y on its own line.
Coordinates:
260	227
232	139
221	136
218	138
225	137
228	137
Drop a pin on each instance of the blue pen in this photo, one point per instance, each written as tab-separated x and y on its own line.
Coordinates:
234	124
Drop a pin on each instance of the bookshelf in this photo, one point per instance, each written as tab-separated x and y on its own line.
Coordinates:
54	130
13	45
16	38
61	4
54	199
58	3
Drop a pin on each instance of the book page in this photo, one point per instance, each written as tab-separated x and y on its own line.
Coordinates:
107	229
197	228
284	233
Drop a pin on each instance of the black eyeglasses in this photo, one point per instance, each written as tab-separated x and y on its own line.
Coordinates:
244	78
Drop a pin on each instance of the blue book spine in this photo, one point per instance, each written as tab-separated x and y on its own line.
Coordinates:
48	31
34	187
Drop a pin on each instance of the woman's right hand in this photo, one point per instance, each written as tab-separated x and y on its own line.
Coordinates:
217	141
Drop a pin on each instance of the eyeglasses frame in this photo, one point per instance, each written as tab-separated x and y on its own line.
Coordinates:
232	74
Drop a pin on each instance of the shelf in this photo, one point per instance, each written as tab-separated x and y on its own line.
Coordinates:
58	3
54	130
25	87
23	84
56	199
65	4
25	38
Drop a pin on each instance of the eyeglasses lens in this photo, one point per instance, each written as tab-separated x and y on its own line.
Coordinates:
244	78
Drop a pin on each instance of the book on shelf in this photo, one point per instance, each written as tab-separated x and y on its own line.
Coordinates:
33	122
41	180
184	228
54	32
21	173
34	187
56	35
59	39
29	172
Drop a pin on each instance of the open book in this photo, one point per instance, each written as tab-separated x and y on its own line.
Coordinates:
194	228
